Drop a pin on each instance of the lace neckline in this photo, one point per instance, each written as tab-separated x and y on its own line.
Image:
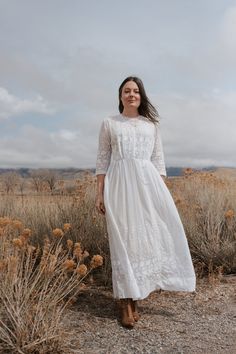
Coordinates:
129	118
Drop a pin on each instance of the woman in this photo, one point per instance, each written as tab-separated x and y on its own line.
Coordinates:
148	245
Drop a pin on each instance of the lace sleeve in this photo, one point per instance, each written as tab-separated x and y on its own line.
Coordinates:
157	156
104	149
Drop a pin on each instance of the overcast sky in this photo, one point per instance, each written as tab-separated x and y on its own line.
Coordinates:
61	63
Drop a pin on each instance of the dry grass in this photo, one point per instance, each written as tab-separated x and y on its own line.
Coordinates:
36	286
207	206
44	212
206	203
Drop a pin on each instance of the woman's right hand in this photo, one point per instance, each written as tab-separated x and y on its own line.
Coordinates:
99	203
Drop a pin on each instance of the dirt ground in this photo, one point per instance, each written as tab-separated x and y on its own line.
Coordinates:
171	322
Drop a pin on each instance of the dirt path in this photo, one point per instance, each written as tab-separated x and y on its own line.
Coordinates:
172	322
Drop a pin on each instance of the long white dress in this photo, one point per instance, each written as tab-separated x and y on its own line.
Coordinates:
148	245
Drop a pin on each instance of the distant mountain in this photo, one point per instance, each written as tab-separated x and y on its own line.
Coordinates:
73	172
174	171
63	172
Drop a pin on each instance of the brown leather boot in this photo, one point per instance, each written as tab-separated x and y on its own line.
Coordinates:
134	307
127	319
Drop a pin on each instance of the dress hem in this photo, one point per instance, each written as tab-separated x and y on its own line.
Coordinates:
190	290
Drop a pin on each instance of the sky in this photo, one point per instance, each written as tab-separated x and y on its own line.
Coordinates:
62	62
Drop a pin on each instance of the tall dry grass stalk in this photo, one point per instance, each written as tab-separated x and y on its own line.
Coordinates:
36	286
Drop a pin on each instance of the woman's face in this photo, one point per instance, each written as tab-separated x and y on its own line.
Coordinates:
130	96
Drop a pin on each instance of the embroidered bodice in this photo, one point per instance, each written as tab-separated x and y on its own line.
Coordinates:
129	138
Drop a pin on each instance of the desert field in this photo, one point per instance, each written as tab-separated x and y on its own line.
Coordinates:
55	271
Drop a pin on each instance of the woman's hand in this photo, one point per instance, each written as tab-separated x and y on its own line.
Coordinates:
163	177
99	203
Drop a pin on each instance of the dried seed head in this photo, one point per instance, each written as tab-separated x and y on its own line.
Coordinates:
23	239
96	261
77	250
58	232
85	254
17	242
69	244
77	245
82	270
26	233
229	214
69	264
67	227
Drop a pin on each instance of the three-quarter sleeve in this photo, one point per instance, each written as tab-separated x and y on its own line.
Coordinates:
157	156
104	149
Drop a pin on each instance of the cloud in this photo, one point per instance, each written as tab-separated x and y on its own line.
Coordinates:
11	105
203	59
198	130
228	30
26	75
35	147
65	134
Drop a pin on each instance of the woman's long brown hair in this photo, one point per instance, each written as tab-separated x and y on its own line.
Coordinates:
145	109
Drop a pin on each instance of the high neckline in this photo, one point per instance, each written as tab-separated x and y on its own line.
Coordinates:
126	117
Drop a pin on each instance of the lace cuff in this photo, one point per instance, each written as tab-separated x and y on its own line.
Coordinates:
104	149
157	156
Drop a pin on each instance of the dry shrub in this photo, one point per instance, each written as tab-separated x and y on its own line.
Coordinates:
36	286
45	212
207	205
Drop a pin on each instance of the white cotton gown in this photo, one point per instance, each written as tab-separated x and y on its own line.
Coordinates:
148	245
